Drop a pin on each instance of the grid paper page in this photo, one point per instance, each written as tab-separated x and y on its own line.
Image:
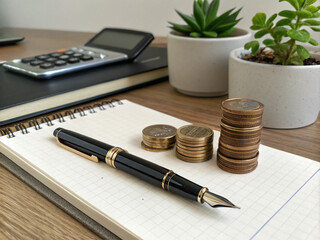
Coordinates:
279	200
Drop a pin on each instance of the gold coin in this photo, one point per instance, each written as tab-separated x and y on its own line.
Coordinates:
241	129
237	171
201	148
145	147
240	148
236	154
193	159
240	135
195	154
160	131
239	142
241	123
237	162
158	144
242	106
194	133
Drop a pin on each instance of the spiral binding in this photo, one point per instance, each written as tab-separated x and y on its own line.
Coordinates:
68	113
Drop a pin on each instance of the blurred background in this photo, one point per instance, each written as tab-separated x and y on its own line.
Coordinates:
93	15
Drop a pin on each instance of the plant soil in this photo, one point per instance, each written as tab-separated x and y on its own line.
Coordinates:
267	56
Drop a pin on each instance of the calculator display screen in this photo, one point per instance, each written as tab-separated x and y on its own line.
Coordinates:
117	40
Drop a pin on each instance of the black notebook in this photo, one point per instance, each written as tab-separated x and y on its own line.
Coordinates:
24	97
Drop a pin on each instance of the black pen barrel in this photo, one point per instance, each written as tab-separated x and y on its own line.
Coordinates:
157	175
131	164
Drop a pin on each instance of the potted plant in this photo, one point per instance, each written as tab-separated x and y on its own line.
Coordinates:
282	75
198	51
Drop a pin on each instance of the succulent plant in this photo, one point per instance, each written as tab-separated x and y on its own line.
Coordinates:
204	21
287	32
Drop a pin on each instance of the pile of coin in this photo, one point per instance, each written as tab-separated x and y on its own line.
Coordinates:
159	137
194	143
239	141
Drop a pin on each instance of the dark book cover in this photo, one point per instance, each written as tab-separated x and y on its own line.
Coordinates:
17	91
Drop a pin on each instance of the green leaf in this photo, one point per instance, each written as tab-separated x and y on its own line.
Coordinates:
312	22
315	29
218	20
313	42
261	33
205	6
268	42
255	27
294	3
212	11
195	34
299	35
283	22
316	15
198	15
271	19
224	27
309	2
259	19
287	14
253	45
210	34
304	14
279	32
185	29
312	9
295	61
302	52
301	2
227	33
190	21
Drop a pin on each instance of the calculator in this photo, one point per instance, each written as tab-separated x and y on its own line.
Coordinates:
110	45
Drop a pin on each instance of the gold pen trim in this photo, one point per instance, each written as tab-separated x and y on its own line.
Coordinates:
164	178
200	194
91	158
112	154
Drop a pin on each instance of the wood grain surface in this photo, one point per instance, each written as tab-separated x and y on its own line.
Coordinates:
24	214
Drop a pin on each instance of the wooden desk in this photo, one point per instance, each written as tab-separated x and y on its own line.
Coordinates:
24	214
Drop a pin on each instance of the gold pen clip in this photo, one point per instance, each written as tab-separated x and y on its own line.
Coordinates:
91	158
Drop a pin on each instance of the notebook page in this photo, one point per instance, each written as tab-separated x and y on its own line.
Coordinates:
279	200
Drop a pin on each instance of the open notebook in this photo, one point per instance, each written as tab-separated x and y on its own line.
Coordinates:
279	200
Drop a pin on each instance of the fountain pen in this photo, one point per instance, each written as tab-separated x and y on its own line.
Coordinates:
152	173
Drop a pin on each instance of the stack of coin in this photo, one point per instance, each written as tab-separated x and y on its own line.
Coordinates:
239	141
194	143
159	137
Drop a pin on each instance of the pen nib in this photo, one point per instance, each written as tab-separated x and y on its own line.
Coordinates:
215	200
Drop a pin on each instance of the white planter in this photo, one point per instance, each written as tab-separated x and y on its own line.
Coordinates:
290	94
199	66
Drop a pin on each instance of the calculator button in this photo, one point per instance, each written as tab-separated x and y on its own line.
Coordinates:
46	65
28	59
69	52
50	59
64	57
60	63
86	58
36	63
42	57
78	55
56	54
73	60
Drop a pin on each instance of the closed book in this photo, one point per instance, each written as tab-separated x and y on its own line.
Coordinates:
23	97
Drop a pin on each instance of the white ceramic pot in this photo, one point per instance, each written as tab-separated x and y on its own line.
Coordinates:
290	94
199	66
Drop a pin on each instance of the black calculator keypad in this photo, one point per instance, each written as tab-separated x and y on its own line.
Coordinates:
60	58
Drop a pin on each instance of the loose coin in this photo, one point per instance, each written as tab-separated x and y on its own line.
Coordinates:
145	147
160	131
